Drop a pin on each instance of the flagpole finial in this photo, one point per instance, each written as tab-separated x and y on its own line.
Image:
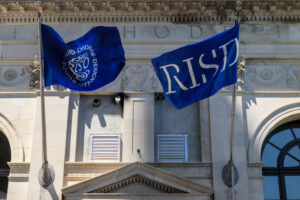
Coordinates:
237	19
39	3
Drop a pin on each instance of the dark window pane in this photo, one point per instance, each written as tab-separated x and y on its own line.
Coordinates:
3	187
292	184
282	138
271	189
297	132
295	151
4	151
269	156
290	162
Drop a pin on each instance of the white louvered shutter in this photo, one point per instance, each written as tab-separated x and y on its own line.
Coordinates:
172	147
105	148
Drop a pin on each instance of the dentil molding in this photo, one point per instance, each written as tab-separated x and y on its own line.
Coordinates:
177	11
18	171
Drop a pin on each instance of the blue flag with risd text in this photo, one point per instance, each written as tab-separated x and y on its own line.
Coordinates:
85	64
199	70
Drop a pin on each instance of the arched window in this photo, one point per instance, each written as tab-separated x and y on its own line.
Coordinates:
5	157
281	158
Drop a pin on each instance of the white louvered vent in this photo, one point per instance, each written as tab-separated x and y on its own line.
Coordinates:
105	148
172	147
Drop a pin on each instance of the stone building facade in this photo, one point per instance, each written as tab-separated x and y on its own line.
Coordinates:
139	160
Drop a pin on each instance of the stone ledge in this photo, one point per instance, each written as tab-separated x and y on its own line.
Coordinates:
259	165
139	196
87	169
18	171
255	170
188	164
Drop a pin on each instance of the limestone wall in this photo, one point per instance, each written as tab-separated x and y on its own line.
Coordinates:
270	88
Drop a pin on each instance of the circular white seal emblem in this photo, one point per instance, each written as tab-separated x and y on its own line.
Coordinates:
81	65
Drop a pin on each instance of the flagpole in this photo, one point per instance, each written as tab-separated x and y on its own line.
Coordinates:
45	173
231	167
230	172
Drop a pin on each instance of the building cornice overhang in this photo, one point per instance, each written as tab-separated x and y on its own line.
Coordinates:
145	11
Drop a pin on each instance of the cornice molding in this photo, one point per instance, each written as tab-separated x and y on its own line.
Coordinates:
89	169
255	170
172	11
75	172
18	171
138	179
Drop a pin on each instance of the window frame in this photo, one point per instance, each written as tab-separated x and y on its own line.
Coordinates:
281	171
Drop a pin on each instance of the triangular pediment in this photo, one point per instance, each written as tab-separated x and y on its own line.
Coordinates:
138	183
137	178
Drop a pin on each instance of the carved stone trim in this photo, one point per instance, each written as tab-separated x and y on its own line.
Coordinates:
137	169
35	75
191	164
148	11
138	179
255	170
76	172
80	170
19	171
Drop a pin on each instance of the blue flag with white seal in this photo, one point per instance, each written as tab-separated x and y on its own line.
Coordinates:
85	64
197	71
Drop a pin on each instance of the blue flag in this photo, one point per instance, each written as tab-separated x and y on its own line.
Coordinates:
85	64
199	70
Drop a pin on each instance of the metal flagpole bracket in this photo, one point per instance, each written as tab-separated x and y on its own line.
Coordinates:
46	175
230	177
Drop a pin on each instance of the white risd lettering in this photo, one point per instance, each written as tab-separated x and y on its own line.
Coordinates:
224	47
175	78
191	71
208	66
203	78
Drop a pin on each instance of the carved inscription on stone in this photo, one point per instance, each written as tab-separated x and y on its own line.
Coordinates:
196	31
293	77
129	32
161	31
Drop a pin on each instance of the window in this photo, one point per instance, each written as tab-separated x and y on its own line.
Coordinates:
105	148
281	157
5	156
172	147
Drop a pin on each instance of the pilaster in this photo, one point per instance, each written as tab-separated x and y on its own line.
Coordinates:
56	128
220	106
